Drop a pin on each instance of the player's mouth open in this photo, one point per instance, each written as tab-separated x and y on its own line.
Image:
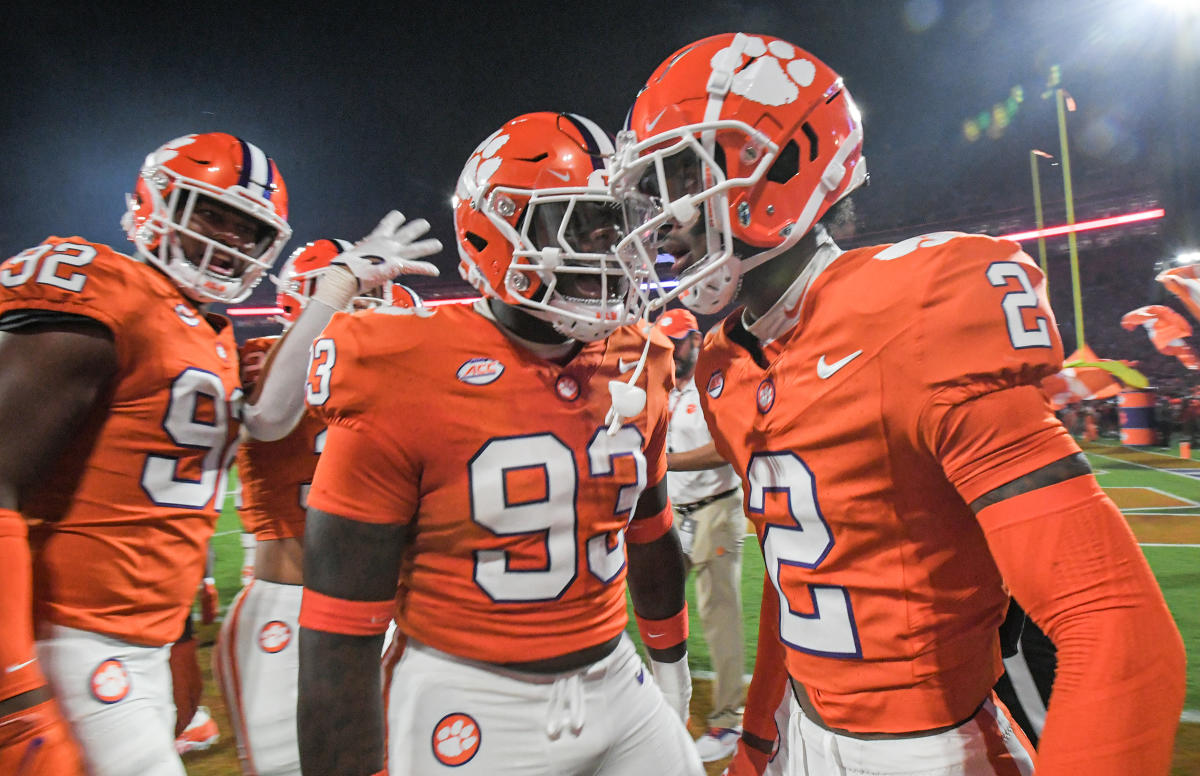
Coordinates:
591	288
224	265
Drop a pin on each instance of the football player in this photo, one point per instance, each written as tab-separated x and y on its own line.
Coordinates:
256	656
899	462
120	468
471	457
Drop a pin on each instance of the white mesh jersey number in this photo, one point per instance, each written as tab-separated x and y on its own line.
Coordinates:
160	476
829	629
21	267
1014	302
322	357
554	518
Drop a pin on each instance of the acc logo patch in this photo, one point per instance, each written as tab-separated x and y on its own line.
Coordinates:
274	636
186	315
766	396
716	384
480	371
110	681
455	739
567	387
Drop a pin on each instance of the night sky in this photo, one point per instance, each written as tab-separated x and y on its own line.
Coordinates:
371	107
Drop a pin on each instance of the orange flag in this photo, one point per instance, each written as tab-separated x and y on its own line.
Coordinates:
1076	383
1166	328
1184	282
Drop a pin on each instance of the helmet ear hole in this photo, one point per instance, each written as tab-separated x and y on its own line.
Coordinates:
477	242
787	164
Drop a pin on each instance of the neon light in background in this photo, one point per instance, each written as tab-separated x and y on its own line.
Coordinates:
1084	226
1051	231
240	312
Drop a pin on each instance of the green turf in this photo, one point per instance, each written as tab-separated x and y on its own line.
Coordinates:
1178	572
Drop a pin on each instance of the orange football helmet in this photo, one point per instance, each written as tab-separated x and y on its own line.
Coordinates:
297	281
749	132
193	182
537	227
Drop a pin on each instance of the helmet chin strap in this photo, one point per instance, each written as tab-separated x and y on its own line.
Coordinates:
786	311
628	399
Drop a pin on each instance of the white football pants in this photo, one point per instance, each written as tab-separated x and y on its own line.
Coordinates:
446	714
116	697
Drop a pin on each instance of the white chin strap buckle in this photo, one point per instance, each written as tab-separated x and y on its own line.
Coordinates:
628	400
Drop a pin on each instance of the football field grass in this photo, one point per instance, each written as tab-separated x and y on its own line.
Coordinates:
1158	493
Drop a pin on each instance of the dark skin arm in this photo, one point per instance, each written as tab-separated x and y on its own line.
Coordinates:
340	709
36	424
77	360
657	572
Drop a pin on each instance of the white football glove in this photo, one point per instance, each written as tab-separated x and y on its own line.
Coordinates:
390	250
675	682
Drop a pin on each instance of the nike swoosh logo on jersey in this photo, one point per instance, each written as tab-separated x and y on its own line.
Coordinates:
651	124
625	366
18	666
826	371
562	176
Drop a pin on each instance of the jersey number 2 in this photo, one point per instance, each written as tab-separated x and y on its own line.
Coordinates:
998	274
824	623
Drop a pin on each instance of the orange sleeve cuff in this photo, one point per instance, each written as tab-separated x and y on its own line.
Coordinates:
665	633
339	615
643	530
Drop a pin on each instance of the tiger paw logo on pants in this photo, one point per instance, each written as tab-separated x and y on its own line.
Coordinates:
456	739
110	681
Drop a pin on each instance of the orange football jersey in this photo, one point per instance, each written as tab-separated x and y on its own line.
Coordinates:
889	598
124	518
516	498
275	476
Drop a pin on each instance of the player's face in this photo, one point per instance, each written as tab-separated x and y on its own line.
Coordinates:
684	175
586	227
227	227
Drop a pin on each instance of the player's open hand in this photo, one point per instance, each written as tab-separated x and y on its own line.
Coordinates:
391	249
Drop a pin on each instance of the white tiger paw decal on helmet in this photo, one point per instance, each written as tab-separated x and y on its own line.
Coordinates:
167	151
480	167
774	75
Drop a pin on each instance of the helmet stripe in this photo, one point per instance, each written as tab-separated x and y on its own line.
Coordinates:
256	174
596	140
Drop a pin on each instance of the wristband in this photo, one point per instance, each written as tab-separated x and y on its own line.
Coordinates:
339	615
666	633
